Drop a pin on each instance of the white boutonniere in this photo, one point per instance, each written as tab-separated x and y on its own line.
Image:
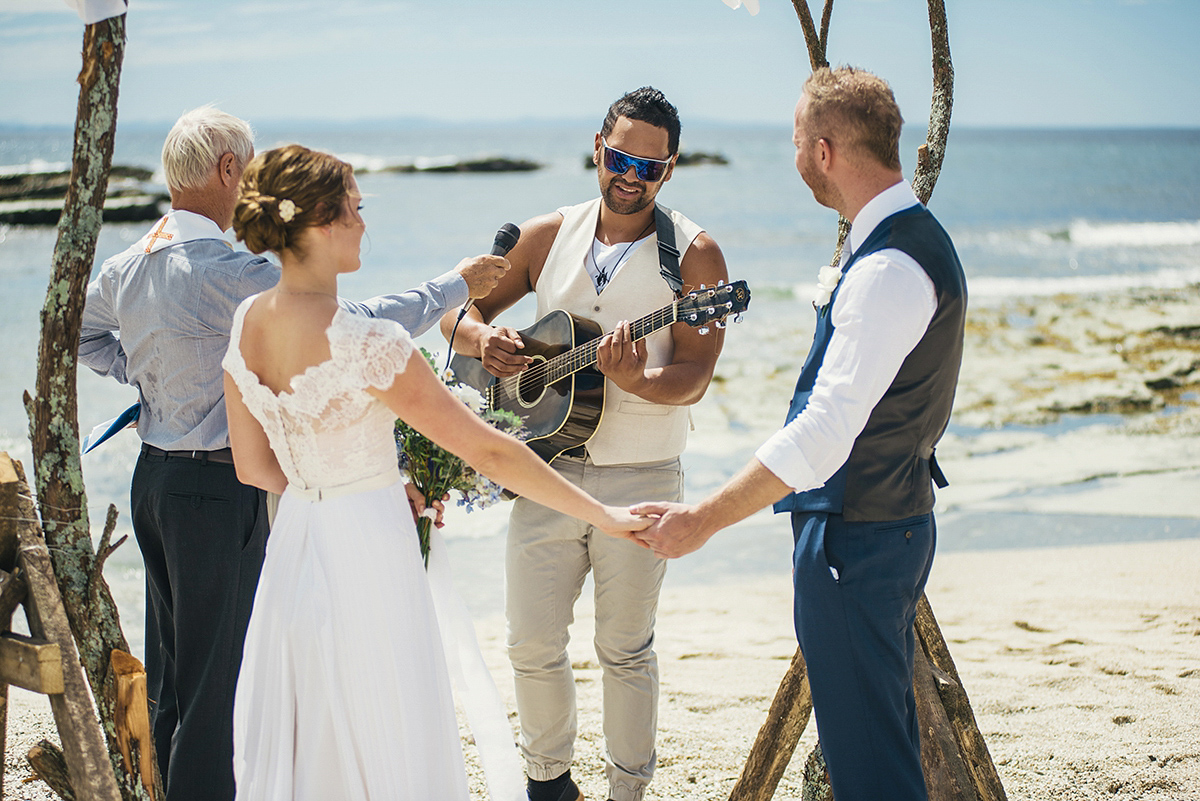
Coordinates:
827	281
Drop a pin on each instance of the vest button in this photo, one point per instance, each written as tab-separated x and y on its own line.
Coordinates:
908	535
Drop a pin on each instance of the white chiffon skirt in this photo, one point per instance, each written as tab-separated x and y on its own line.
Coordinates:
344	690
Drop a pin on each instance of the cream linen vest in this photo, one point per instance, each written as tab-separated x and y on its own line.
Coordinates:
631	430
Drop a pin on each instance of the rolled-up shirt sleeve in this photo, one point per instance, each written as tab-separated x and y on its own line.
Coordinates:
416	309
99	346
880	314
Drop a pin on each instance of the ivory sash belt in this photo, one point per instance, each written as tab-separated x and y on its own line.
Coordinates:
362	485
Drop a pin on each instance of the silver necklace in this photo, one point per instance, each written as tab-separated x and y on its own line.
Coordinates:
602	276
306	292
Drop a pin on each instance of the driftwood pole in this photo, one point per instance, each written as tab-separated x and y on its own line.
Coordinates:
53	409
954	757
84	765
817	47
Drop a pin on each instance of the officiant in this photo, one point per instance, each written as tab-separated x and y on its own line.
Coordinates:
158	317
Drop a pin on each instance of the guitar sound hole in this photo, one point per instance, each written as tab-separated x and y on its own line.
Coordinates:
531	385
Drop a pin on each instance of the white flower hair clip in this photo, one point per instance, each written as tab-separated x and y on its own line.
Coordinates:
287	210
827	281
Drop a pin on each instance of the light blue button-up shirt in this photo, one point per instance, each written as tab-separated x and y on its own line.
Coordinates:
160	322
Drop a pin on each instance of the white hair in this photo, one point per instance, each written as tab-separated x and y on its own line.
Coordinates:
198	140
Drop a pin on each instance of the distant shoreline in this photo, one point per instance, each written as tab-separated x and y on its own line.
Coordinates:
420	123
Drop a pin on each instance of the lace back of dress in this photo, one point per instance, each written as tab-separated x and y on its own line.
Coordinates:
328	429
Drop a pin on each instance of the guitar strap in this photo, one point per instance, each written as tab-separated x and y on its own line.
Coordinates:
668	254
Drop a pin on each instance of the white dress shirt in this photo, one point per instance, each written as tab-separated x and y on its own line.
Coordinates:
879	315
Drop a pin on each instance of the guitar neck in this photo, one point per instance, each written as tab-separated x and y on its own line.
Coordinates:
584	356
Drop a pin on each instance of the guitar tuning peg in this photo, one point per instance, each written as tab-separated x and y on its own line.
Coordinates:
720	282
720	323
693	317
702	286
703	330
737	318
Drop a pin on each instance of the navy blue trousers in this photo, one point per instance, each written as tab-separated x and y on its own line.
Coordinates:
856	592
203	536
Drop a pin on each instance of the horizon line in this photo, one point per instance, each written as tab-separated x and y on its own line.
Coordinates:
438	122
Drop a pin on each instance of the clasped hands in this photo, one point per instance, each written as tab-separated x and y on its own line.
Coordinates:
675	529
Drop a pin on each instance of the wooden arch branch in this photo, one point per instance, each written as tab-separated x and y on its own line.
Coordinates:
931	154
817	43
53	408
955	758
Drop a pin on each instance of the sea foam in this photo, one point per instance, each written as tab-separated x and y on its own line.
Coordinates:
1083	233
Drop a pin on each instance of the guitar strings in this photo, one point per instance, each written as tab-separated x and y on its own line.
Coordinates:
577	358
586	353
574	360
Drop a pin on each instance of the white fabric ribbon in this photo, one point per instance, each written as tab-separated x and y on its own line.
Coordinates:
93	11
751	5
176	227
473	683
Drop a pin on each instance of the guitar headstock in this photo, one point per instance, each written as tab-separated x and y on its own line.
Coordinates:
713	305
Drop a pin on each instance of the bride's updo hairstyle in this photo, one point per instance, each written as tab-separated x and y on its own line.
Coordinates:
285	190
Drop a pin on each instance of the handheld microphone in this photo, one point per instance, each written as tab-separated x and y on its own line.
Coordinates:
504	241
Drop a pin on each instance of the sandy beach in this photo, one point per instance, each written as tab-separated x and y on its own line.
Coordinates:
1082	662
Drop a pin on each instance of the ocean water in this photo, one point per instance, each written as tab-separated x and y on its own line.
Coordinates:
1031	212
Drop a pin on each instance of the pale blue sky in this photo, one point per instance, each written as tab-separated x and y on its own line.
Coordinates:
1120	63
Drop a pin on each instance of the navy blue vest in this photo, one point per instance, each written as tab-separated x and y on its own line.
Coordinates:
891	467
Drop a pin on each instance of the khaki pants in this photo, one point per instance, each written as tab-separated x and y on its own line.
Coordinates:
548	558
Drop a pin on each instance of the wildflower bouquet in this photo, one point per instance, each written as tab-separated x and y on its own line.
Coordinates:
435	471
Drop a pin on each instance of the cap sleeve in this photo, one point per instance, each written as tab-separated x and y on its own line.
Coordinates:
380	349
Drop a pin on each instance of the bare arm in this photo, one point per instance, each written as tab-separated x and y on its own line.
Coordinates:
685	380
423	402
252	455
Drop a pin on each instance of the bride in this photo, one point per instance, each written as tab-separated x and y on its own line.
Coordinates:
344	690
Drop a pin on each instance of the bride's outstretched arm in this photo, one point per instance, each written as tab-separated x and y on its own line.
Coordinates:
421	400
252	455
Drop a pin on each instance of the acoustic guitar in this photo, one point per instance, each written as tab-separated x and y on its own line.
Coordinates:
561	393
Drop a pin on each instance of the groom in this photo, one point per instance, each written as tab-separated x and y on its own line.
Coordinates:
157	317
854	465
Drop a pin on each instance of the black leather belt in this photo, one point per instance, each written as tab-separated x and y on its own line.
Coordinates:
223	456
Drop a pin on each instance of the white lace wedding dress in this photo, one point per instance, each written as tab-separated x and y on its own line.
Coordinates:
344	691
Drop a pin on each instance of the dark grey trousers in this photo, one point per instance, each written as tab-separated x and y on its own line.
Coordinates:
203	536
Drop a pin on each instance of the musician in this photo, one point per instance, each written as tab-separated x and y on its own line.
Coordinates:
600	260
